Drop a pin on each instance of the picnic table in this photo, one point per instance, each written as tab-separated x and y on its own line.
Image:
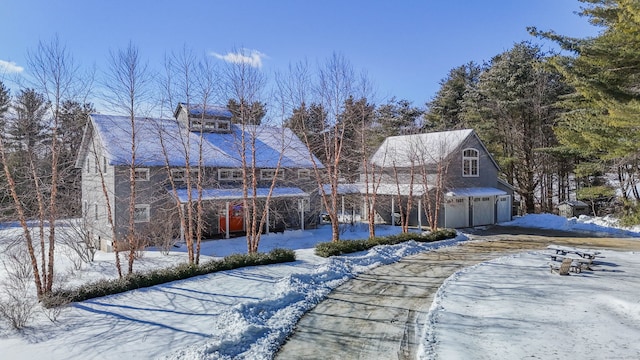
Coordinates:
565	250
580	258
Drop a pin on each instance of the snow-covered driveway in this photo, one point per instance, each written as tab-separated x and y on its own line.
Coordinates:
381	314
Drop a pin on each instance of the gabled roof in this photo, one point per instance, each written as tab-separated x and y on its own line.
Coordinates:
158	142
422	149
195	110
162	141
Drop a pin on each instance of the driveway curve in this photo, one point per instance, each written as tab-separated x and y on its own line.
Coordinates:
380	314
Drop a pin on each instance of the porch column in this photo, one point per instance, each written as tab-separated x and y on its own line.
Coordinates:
393	211
365	208
226	220
353	214
182	226
267	221
420	213
301	203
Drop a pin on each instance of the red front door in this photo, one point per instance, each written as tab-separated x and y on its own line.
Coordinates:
236	219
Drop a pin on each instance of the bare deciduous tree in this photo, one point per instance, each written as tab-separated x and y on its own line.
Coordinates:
127	85
245	84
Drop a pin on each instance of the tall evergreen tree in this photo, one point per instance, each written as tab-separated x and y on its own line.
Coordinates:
355	114
397	117
444	111
512	108
308	123
247	113
73	118
5	102
604	113
29	126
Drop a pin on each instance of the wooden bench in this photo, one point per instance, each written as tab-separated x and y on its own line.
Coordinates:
564	267
577	263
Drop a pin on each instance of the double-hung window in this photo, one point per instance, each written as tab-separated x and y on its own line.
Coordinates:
141	174
470	160
141	213
269	174
229	174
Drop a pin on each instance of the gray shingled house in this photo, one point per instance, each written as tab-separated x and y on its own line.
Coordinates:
204	140
473	194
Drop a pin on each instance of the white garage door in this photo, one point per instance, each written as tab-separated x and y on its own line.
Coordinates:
456	213
504	208
482	210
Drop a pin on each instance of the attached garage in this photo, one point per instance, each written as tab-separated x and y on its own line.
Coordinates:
503	208
482	210
456	213
466	207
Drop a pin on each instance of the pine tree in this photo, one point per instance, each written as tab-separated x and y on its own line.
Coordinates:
244	113
604	113
5	102
512	109
446	108
28	127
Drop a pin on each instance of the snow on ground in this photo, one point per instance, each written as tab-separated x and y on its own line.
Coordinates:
515	308
607	225
246	313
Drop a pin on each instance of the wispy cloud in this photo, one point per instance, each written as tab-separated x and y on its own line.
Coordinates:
251	57
10	67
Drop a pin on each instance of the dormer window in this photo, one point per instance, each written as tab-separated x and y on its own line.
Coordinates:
470	161
210	125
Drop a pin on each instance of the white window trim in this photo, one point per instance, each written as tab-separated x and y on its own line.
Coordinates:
470	160
144	171
236	174
304	174
193	172
268	174
147	209
207	125
179	174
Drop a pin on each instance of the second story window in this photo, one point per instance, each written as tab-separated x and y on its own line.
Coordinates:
304	174
269	174
142	213
470	159
229	174
179	174
141	174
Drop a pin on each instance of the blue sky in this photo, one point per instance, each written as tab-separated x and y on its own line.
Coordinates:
405	46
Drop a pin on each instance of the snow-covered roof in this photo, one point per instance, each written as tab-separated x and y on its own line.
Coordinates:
418	189
162	140
236	193
158	142
418	149
574	203
344	189
475	191
270	143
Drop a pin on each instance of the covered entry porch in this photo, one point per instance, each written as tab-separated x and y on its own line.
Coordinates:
225	214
